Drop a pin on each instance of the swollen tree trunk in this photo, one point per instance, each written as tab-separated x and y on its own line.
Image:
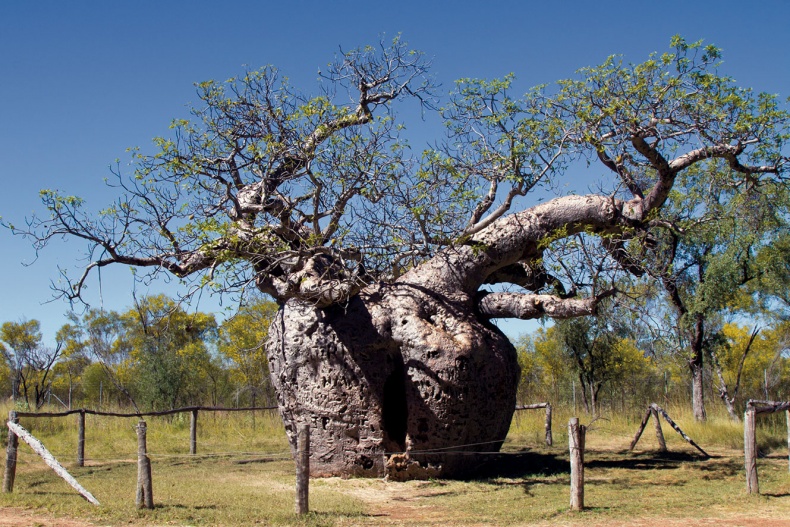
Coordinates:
398	370
409	378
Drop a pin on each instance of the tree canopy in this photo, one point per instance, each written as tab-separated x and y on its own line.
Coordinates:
315	197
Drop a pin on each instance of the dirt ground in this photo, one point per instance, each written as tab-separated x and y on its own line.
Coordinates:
409	504
400	505
16	517
405	504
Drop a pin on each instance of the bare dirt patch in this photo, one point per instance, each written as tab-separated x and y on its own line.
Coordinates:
396	502
672	522
411	503
17	517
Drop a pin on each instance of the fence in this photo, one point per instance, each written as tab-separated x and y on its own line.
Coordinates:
537	406
144	494
654	411
193	410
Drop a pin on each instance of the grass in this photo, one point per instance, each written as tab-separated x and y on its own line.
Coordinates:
247	477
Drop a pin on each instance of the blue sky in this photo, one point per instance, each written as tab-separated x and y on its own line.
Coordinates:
82	81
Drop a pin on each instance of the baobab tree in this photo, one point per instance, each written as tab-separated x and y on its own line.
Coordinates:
390	270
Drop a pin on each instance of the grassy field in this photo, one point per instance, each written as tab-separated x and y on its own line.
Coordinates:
243	475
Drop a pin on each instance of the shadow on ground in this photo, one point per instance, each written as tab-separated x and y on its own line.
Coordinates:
520	464
527	463
645	461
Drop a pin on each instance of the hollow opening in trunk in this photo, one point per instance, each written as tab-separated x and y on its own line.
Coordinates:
394	410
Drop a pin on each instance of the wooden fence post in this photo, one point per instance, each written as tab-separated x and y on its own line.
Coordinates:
10	455
81	439
750	450
788	439
39	448
662	445
302	468
145	498
193	432
677	429
576	437
642	426
549	439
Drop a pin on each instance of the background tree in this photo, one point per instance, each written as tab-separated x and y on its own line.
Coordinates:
168	351
6	382
731	353
109	377
241	340
773	272
719	226
31	362
383	340
68	370
590	346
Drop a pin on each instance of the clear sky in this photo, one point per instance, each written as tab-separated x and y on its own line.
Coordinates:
82	81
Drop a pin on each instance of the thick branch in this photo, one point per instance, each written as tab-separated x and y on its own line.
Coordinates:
526	306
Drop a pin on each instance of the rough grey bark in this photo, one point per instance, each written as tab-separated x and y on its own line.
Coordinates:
410	377
396	371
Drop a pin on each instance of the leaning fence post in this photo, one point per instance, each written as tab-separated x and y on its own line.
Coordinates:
145	497
549	439
750	450
642	426
576	433
302	468
193	432
10	455
39	448
662	445
81	438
